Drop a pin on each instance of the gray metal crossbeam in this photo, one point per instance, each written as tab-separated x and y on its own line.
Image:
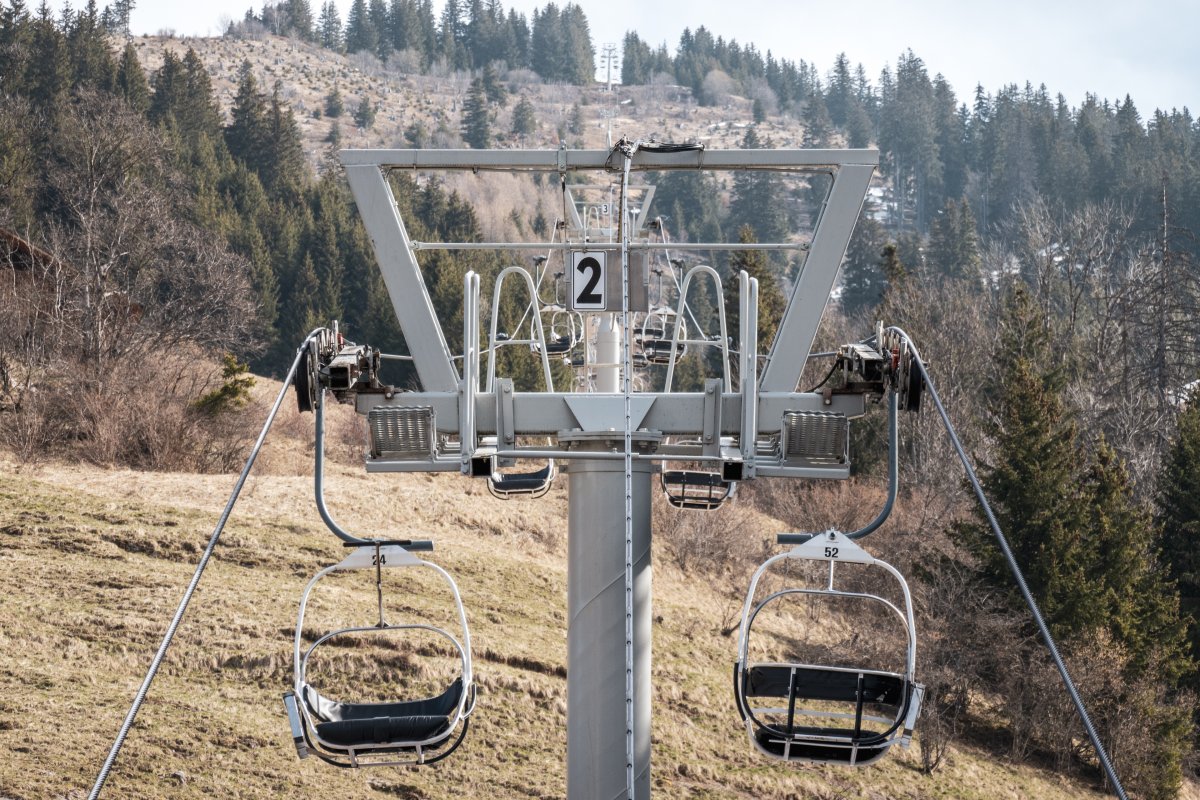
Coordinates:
675	414
580	160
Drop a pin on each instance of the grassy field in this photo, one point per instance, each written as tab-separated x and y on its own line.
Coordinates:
94	561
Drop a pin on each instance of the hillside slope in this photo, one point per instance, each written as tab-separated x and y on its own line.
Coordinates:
94	562
307	74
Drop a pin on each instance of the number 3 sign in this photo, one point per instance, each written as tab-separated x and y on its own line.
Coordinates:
588	281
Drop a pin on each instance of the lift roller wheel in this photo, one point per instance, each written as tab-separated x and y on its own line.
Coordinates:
905	377
306	381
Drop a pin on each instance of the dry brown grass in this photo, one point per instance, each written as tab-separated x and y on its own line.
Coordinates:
95	560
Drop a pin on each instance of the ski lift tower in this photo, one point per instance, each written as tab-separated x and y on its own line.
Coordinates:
614	427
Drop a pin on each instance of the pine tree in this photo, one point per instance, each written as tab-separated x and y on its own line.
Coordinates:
334	105
360	30
476	120
1178	513
364	114
523	122
131	81
863	280
771	302
329	28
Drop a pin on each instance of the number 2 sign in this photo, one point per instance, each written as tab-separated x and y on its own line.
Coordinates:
588	281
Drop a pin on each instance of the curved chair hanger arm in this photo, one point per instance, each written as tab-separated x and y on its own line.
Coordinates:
319	479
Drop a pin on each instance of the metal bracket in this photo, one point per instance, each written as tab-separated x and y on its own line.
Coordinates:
506	437
711	440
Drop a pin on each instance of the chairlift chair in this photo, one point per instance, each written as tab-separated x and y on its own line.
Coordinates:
654	336
563	334
695	489
406	731
537	482
780	701
698	489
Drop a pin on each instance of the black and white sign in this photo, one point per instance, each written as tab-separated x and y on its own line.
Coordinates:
589	287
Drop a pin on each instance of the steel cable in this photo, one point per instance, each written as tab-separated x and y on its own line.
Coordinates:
1019	576
187	595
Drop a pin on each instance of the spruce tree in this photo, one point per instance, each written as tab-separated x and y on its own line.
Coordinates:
169	85
758	199
492	87
47	72
523	122
953	250
131	81
247	134
334	105
1033	476
87	45
1178	512
364	114
360	30
15	32
329	28
771	301
476	121
299	19
197	111
284	168
863	280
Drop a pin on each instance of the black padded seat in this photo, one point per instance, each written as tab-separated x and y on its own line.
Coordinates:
363	724
691	489
816	683
558	346
807	750
658	351
521	481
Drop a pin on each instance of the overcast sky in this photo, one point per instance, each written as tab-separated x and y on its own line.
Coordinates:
1146	49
